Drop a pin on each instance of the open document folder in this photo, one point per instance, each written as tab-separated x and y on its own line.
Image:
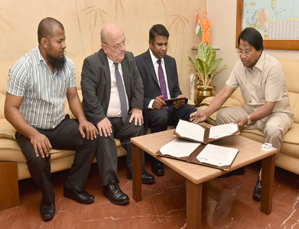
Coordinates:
195	132
210	155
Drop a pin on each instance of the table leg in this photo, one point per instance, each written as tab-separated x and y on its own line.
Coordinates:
136	172
194	204
268	169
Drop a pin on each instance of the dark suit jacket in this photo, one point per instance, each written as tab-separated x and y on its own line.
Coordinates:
96	85
150	82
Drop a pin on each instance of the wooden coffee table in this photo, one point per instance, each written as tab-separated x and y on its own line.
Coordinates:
249	152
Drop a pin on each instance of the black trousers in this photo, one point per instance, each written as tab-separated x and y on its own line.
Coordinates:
65	136
158	119
107	152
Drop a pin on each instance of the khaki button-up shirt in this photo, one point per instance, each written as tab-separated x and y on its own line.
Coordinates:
264	83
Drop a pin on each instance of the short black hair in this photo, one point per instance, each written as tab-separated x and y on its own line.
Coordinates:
253	37
45	28
157	30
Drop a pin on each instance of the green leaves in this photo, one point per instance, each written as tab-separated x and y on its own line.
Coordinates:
206	65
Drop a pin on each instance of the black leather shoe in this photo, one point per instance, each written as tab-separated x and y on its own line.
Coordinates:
239	171
257	190
115	194
157	167
81	197
146	178
47	211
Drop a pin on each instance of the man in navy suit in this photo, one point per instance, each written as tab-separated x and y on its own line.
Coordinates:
160	81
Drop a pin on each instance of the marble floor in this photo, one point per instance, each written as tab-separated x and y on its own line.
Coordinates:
230	204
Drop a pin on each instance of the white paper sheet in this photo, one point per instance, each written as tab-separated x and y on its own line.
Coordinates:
223	130
190	130
217	155
179	148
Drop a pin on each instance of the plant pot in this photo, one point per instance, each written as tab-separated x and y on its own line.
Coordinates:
200	93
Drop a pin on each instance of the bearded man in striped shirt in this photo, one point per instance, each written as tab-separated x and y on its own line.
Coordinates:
39	82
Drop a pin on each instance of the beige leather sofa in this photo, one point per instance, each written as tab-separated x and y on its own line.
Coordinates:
289	155
12	162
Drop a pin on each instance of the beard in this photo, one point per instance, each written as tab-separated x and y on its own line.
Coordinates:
57	62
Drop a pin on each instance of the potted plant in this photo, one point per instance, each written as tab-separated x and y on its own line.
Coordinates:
206	66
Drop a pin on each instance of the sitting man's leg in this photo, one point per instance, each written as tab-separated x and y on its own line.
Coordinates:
107	158
274	130
67	136
157	120
124	132
40	171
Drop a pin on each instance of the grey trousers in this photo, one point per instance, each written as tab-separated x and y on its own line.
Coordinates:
106	152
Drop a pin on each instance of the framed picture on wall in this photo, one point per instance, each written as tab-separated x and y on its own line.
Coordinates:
276	20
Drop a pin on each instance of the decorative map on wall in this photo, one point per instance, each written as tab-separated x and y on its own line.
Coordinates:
274	19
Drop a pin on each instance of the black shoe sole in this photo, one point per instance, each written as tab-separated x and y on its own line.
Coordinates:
256	198
48	218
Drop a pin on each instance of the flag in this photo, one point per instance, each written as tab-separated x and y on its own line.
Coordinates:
198	28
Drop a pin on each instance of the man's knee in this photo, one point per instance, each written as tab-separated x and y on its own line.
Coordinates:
160	122
275	131
190	108
38	163
220	117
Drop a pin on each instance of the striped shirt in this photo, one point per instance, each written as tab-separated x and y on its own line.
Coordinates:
44	92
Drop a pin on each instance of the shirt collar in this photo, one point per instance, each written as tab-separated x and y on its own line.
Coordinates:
38	56
259	64
154	59
111	63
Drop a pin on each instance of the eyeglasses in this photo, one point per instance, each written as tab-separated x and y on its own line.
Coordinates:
118	46
245	52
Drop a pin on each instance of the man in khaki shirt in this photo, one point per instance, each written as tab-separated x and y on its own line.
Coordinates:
263	86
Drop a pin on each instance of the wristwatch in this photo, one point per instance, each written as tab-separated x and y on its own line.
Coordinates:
248	120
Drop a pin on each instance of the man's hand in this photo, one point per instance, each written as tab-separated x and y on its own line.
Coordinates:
197	117
104	127
91	130
242	121
158	102
177	104
137	115
41	145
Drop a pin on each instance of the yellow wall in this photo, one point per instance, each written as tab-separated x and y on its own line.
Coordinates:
83	20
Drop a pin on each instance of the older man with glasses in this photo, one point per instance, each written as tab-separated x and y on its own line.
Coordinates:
113	100
263	86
